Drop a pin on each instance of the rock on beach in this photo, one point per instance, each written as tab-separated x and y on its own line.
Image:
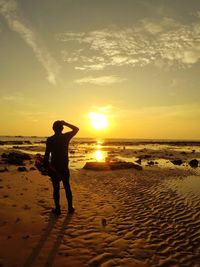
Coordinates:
194	163
177	162
115	165
15	158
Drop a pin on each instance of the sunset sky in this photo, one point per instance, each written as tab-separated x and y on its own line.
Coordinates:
137	62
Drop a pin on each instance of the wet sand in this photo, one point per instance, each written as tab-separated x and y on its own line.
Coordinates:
123	218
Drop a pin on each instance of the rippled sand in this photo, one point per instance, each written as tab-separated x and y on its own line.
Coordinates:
123	218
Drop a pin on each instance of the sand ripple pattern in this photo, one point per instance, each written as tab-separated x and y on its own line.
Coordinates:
123	218
127	220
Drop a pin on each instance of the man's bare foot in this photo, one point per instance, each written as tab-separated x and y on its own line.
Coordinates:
56	211
71	210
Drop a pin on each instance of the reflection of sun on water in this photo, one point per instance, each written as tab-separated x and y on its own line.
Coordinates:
99	144
98	155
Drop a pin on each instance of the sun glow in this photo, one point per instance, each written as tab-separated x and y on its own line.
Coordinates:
98	155
98	120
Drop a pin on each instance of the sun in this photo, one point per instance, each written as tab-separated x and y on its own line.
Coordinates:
98	121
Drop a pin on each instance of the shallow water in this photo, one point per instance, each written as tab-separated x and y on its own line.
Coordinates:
188	187
83	150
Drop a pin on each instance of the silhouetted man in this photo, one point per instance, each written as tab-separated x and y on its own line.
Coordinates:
57	148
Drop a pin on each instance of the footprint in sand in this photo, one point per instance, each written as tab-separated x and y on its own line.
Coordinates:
26	207
104	222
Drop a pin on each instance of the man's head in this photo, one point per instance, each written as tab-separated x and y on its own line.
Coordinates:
57	127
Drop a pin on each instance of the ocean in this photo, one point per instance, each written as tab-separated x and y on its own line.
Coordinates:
82	150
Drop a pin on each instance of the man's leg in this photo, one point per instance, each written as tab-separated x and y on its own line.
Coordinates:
68	192
56	194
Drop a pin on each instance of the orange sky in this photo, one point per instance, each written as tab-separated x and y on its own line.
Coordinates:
135	62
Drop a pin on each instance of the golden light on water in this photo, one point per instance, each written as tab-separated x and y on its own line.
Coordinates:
98	121
98	155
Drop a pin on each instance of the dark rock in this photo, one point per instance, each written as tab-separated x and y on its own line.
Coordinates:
177	162
146	156
150	163
193	151
139	161
15	158
137	167
22	169
114	165
183	153
4	156
194	163
120	165
32	168
27	142
14	142
96	166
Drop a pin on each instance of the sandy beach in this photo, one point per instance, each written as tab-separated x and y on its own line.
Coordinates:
128	218
104	95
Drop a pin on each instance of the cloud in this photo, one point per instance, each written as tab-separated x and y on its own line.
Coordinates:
17	97
9	10
101	80
104	109
31	116
162	43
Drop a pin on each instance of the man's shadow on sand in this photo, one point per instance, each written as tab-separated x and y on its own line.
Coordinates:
51	256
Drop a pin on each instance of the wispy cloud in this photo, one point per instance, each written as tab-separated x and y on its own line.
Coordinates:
31	116
104	109
16	97
163	43
9	10
101	80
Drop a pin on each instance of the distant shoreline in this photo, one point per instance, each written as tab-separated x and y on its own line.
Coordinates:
6	140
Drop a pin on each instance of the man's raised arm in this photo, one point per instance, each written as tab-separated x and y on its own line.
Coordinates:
74	128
